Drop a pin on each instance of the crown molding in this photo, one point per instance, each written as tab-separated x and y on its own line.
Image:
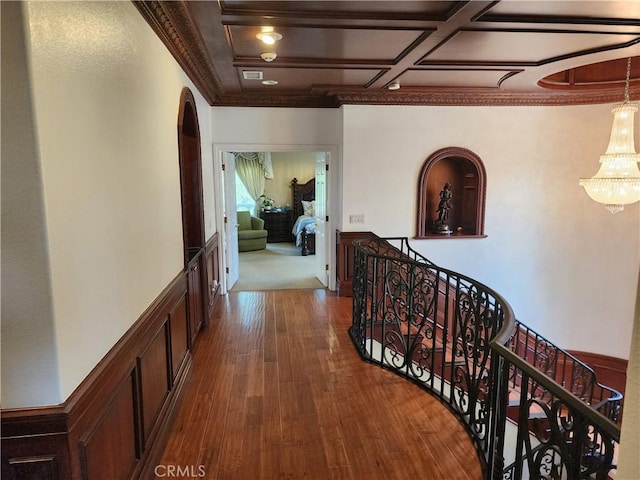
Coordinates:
175	28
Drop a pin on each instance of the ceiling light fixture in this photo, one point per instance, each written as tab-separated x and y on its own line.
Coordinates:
268	56
268	35
270	82
394	86
617	182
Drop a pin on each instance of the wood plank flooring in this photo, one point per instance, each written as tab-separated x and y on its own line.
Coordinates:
279	392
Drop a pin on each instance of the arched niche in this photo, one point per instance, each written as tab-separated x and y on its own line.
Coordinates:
464	170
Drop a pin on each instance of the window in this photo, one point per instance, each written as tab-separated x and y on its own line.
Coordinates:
243	199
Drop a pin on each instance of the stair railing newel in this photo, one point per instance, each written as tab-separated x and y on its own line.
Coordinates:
459	339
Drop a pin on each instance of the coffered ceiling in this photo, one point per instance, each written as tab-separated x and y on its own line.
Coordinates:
332	53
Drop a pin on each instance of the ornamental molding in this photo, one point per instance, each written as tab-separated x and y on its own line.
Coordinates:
175	28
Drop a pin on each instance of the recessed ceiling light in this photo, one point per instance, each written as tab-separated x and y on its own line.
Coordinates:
270	82
394	86
268	35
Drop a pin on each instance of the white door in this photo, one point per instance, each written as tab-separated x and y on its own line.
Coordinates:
321	214
230	220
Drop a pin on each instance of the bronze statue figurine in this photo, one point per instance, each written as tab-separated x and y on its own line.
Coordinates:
440	225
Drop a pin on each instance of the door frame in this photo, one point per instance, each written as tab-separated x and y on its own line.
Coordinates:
332	200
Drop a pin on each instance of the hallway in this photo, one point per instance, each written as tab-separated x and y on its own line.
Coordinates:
278	392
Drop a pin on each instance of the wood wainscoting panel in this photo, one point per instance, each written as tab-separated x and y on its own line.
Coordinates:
345	258
35	446
116	421
42	468
179	328
212	262
155	379
195	311
109	448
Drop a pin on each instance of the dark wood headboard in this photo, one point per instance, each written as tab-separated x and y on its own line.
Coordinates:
302	191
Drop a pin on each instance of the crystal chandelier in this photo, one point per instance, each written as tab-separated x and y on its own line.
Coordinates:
617	182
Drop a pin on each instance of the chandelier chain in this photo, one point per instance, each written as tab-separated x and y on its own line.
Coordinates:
626	83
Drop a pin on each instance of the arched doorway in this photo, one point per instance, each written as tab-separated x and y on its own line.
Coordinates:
190	176
192	211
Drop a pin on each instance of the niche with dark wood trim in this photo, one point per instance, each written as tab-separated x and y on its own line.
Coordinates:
464	170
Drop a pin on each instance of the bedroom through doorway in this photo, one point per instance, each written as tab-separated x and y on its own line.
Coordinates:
278	266
285	260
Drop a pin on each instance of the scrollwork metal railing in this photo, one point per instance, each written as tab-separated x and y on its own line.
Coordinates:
565	369
525	402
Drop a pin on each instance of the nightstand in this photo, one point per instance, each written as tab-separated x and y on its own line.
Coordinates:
278	225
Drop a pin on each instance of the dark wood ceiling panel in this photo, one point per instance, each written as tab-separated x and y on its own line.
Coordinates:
334	10
308	78
479	52
325	45
611	74
626	12
456	78
525	47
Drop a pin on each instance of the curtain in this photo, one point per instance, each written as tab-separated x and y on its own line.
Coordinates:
253	168
262	158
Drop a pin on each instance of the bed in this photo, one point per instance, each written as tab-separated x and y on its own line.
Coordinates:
304	227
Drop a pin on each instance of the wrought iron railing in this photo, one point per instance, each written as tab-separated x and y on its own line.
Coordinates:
525	402
565	369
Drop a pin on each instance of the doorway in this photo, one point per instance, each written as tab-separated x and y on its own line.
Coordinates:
190	164
318	263
190	176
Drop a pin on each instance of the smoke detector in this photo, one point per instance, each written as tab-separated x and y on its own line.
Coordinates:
268	56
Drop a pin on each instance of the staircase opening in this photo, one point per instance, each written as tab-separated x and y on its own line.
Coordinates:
533	409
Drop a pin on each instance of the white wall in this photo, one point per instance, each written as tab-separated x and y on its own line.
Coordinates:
275	126
629	464
105	97
28	349
567	266
287	166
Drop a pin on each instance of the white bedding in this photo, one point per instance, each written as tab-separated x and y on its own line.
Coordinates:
302	222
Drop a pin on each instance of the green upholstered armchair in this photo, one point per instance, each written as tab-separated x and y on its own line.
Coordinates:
251	232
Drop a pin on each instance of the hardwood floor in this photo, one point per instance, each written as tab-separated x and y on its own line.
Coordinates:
279	392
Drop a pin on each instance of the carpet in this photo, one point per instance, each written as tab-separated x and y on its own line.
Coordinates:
279	266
